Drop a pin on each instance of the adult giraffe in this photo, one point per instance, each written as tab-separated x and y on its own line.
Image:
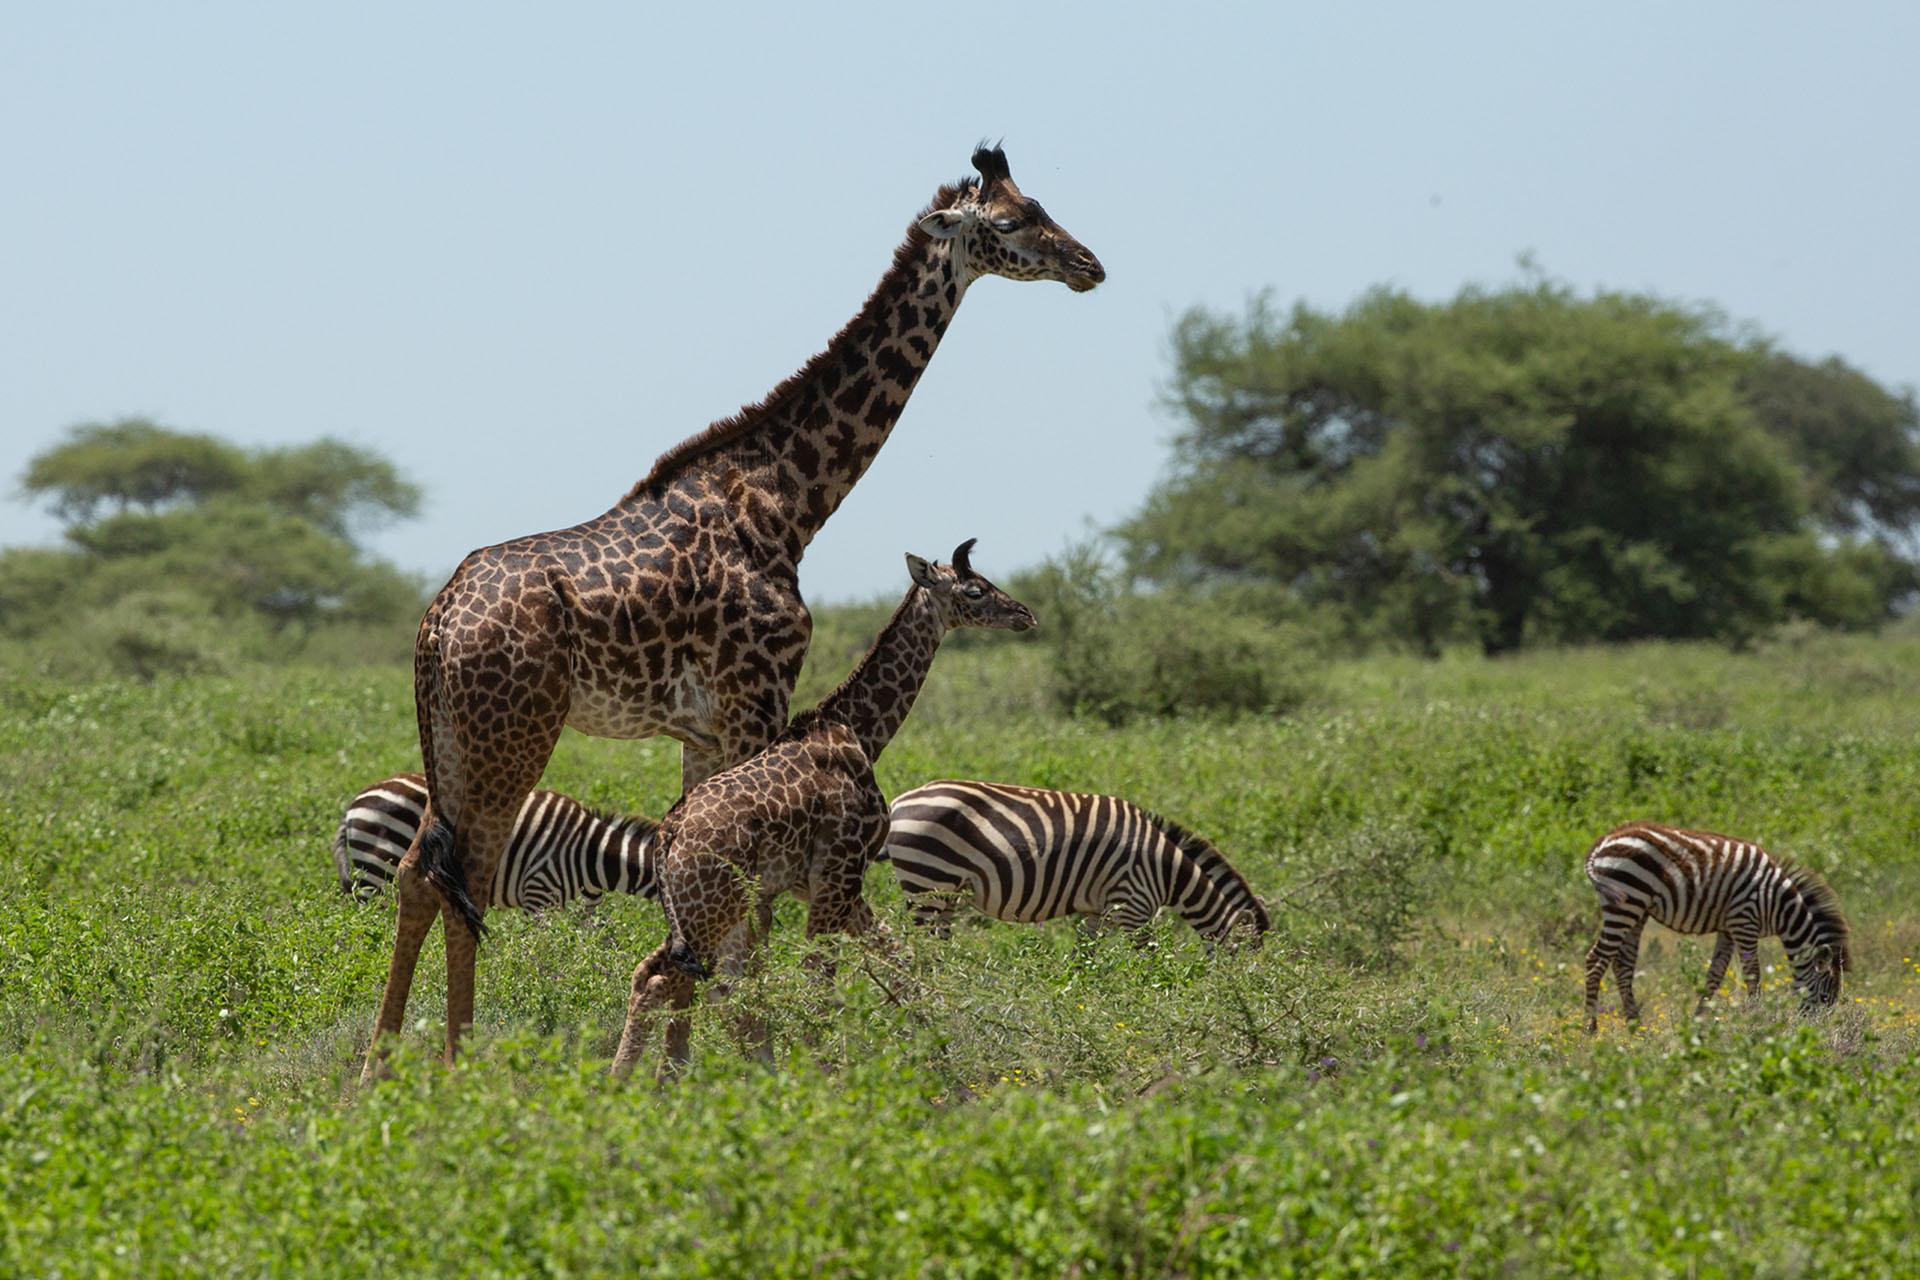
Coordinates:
678	611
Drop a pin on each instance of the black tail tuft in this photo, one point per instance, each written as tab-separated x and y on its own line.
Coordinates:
681	956
445	873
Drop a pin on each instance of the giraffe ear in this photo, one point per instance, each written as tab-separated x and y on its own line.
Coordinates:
943	224
922	572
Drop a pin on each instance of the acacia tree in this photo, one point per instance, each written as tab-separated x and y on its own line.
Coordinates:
1528	464
174	532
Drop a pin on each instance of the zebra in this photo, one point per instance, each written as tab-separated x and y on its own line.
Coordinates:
560	850
1700	882
1028	854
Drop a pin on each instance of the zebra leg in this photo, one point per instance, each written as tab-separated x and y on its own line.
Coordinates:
1617	920
1132	917
934	912
1717	971
1746	939
1625	957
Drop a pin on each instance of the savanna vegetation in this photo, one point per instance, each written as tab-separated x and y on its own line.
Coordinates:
1692	551
1397	1080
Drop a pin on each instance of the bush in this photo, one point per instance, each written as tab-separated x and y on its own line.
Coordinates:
1117	654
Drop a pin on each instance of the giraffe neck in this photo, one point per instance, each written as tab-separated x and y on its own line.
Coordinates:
797	454
876	696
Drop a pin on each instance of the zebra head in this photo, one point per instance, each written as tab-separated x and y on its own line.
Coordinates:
1816	974
966	599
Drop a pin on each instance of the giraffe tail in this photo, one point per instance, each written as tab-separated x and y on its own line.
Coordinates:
446	873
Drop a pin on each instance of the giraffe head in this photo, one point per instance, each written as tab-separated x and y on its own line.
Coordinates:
997	230
964	598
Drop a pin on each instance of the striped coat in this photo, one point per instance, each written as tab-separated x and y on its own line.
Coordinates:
560	850
1701	882
1029	854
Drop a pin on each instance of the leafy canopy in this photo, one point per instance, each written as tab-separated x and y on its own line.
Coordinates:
183	549
1526	464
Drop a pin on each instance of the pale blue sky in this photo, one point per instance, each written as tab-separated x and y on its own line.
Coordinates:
522	249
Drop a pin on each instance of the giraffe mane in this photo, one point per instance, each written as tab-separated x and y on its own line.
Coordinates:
1212	863
726	431
829	706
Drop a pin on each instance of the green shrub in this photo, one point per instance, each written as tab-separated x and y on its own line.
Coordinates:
1117	654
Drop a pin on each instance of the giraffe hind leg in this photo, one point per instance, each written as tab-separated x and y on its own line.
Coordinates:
419	903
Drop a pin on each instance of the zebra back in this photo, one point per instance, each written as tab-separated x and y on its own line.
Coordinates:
1690	880
1028	854
559	849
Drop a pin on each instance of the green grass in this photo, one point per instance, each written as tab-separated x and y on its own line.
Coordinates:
184	998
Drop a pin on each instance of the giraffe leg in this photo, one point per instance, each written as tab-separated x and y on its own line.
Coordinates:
419	904
462	947
1716	971
744	956
653	987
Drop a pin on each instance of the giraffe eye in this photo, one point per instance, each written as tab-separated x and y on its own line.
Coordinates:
1006	224
973	591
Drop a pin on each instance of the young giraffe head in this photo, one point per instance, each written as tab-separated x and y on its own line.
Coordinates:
966	599
996	230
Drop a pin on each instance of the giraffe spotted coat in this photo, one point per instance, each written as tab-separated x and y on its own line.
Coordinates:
678	611
803	816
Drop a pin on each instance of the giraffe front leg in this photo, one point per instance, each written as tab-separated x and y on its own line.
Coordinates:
654	987
1716	971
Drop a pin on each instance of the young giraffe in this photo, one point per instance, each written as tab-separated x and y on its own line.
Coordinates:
804	816
678	611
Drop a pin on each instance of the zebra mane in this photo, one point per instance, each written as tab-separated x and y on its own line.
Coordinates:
1823	904
637	823
1213	864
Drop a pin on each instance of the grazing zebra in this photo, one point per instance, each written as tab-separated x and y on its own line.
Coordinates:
560	849
1028	854
1699	882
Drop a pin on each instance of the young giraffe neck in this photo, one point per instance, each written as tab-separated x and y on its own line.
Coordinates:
876	696
797	454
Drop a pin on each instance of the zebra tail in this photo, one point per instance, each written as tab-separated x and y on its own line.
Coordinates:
445	872
342	859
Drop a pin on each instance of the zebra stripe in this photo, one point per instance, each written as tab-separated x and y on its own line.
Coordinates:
1027	854
1700	882
559	851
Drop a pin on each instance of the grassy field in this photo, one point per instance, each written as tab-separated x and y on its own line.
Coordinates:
1397	1083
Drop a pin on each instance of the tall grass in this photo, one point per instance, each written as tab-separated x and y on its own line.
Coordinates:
1396	1082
